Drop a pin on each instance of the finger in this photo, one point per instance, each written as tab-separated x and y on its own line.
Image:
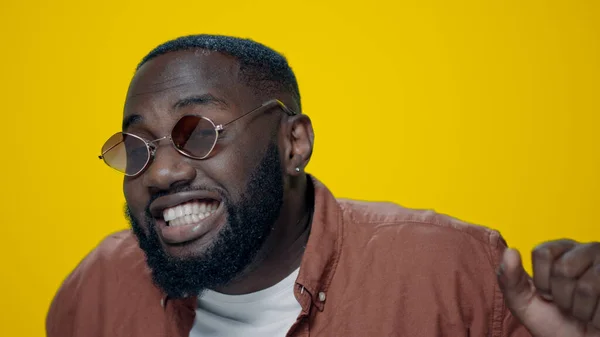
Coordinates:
585	296
576	261
592	331
596	319
543	257
514	282
562	289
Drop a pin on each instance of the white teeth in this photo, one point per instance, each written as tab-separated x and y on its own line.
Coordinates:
169	213
189	213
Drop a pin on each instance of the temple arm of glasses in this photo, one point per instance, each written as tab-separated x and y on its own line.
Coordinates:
284	107
266	104
102	155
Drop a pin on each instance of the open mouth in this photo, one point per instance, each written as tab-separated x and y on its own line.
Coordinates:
188	216
189	213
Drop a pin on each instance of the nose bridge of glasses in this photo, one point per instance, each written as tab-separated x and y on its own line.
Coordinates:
153	143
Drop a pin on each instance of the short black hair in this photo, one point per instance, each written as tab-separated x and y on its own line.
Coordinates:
261	67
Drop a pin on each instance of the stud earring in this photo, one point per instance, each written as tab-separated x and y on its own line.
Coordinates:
297	169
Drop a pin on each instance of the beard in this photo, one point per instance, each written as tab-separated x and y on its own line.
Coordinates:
249	223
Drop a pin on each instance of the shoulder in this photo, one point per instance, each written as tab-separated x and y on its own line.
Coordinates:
116	252
112	271
433	257
115	258
436	243
427	227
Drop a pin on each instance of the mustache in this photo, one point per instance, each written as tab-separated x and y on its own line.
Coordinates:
186	188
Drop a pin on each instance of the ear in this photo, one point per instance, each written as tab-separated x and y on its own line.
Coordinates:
299	141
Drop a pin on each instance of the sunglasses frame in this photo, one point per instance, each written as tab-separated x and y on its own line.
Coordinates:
151	146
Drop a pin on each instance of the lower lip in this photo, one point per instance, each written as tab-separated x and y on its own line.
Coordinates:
185	233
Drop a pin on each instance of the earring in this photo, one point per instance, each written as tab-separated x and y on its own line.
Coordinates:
297	169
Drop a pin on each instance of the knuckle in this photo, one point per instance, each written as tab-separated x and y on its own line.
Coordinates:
581	314
594	246
564	268
586	289
589	246
541	252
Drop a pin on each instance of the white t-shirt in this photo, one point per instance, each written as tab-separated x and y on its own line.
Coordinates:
269	312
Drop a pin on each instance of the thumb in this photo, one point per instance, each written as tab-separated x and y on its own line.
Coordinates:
540	317
515	283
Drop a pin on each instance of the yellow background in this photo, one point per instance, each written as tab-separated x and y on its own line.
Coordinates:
486	110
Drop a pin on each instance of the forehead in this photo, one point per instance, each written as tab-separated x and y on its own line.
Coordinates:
176	75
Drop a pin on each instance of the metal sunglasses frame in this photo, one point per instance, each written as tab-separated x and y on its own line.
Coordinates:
151	146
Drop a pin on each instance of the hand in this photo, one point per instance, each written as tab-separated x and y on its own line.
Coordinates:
562	298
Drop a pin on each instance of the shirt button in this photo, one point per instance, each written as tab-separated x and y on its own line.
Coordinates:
322	296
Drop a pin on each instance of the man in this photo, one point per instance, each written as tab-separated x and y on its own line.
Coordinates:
230	237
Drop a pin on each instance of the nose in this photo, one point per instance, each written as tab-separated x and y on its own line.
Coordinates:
168	169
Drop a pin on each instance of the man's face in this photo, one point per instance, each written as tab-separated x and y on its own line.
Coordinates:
221	209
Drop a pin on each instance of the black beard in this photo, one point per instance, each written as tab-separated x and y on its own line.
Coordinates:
249	223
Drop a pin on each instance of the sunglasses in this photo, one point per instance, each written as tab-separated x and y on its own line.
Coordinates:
193	136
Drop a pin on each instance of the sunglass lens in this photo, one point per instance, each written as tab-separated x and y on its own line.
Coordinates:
125	153
195	136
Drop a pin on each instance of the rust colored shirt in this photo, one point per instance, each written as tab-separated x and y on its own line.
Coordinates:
369	269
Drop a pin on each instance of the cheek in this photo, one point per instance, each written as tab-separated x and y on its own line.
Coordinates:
234	165
135	196
231	172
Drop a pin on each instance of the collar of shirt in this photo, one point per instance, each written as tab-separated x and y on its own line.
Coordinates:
320	257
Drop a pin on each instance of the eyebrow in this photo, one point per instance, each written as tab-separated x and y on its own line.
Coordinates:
204	99
194	100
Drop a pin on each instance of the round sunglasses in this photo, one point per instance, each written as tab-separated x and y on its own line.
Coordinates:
193	136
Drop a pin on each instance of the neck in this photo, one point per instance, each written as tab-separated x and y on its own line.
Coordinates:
282	252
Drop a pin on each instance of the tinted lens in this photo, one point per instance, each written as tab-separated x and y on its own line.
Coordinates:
125	153
195	136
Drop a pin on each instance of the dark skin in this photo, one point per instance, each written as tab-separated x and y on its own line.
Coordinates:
561	299
173	77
